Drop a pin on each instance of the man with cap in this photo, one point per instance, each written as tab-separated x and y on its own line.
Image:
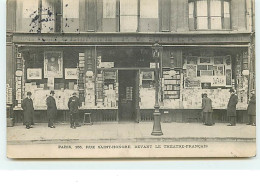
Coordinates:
73	105
51	109
251	109
231	108
28	110
207	110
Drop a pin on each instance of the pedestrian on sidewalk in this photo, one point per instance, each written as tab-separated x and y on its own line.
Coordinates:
28	110
251	109
73	105
207	110
51	109
231	108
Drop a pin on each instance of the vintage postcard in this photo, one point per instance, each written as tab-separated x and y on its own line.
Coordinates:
130	78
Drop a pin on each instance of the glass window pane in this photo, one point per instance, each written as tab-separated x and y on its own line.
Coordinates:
47	16
109	8
149	8
202	23
202	8
71	8
226	9
216	23
215	8
128	23
47	24
191	9
128	7
30	8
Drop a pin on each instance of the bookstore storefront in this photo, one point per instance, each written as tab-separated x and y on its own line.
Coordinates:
116	83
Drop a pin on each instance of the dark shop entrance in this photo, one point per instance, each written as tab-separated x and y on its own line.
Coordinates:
128	107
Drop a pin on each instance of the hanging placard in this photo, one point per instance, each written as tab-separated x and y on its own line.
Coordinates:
53	64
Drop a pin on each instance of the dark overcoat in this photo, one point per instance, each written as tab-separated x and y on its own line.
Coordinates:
28	110
231	107
207	105
73	104
251	109
51	107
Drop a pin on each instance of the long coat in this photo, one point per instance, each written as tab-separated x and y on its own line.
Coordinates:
51	107
28	110
251	109
231	107
73	104
207	105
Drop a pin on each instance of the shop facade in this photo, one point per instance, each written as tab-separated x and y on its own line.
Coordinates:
113	72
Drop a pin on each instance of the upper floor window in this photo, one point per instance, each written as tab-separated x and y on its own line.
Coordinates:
209	14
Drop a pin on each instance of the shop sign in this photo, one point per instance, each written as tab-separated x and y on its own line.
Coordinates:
130	38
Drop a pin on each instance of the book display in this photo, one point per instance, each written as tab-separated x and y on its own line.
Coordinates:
171	84
147	90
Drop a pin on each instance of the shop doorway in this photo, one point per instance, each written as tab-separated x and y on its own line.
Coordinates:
128	105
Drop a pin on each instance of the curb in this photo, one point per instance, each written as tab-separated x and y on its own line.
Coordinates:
114	140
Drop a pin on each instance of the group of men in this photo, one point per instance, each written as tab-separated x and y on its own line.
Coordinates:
207	109
73	105
28	110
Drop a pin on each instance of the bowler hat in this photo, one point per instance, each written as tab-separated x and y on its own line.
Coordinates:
29	93
52	92
74	93
231	90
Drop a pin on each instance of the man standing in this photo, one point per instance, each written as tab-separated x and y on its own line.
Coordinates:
51	109
28	110
251	109
231	108
207	110
73	105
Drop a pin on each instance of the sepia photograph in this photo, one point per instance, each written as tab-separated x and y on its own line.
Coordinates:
130	79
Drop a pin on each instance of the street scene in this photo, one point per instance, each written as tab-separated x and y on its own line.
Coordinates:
143	76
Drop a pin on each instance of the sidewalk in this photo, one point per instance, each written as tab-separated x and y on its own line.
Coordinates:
108	132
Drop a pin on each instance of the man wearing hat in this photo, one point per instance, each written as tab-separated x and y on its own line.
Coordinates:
73	105
251	109
231	108
28	110
51	109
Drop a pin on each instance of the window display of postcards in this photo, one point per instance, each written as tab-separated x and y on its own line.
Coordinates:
129	93
99	89
171	84
191	60
206	72
191	83
227	60
34	73
81	77
218	60
110	88
9	97
204	61
191	71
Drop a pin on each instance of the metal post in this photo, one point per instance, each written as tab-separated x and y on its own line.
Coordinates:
157	131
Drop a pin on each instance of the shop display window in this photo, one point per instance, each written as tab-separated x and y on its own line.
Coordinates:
201	71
